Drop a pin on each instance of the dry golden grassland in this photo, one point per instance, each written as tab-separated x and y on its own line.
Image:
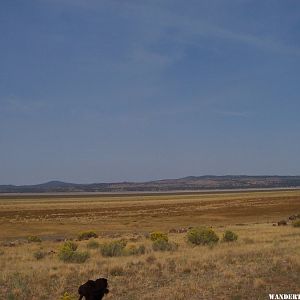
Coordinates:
265	258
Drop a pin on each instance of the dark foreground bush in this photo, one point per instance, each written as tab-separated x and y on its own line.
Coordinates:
33	239
114	248
85	235
68	253
158	236
296	223
202	236
229	236
163	245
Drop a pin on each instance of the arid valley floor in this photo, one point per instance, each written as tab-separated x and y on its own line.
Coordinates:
265	258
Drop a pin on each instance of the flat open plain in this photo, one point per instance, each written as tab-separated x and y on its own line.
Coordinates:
52	215
265	258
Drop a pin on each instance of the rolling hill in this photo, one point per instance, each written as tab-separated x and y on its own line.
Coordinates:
187	183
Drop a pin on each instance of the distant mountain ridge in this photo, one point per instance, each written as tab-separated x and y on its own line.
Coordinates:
190	183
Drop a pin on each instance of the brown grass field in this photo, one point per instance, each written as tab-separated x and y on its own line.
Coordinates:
265	258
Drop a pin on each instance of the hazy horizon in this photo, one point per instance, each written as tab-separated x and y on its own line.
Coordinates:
110	91
154	179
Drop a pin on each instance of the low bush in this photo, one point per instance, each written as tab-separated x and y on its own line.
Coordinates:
69	244
114	248
202	236
85	235
229	236
134	250
67	296
118	248
163	245
39	254
79	257
68	253
296	223
154	236
92	244
33	239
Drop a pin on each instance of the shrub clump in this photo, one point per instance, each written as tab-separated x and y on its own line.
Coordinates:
229	236
202	236
163	245
154	236
71	245
67	296
86	235
114	248
33	239
68	253
80	257
39	254
92	244
296	223
134	250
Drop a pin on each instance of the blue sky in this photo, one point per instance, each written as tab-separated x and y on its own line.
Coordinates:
97	91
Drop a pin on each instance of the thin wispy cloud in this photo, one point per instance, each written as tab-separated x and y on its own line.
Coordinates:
180	31
189	30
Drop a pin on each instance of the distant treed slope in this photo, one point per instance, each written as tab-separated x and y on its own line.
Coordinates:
186	183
